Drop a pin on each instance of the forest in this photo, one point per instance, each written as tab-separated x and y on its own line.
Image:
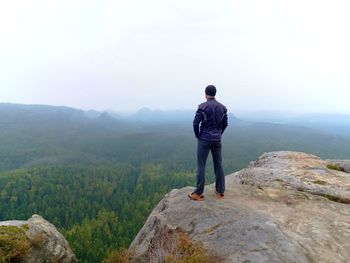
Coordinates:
97	178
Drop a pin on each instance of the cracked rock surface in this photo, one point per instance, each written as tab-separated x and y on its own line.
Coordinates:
284	207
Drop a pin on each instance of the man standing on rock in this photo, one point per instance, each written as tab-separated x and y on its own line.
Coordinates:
209	124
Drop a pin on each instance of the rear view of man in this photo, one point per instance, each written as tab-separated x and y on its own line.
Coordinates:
209	124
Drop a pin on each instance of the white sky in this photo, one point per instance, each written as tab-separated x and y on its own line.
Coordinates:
125	54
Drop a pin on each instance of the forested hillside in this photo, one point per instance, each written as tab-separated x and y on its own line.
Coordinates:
97	177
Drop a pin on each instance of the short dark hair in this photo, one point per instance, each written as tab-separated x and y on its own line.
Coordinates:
210	90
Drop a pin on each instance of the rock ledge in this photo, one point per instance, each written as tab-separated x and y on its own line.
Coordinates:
284	207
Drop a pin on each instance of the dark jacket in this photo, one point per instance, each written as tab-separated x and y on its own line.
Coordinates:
212	117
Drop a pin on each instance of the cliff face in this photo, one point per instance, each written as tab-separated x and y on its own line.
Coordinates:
33	241
284	207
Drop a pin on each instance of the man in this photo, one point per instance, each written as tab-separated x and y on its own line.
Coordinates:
209	124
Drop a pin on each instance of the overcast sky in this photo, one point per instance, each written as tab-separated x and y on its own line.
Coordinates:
124	54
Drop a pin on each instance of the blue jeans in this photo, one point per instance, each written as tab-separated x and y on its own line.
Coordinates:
203	148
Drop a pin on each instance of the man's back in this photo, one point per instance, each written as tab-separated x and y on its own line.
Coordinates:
212	115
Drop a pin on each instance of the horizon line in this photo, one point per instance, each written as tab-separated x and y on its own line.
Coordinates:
239	111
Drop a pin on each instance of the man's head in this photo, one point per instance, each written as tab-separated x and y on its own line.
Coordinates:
210	91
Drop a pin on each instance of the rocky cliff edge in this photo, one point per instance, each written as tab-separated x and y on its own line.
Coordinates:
284	207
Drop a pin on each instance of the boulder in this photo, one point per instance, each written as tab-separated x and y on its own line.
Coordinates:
34	241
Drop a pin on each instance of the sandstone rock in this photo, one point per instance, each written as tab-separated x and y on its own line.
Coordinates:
46	243
342	164
284	207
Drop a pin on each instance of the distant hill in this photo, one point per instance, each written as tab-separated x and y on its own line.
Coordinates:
148	115
39	113
41	134
19	114
92	113
331	122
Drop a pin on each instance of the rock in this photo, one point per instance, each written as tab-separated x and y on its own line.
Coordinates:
284	207
342	164
46	244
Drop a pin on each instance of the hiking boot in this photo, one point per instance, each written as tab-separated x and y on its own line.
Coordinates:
220	195
196	197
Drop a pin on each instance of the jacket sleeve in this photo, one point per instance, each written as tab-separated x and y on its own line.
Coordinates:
224	121
198	118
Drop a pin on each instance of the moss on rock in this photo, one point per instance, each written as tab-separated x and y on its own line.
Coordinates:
14	244
335	167
318	181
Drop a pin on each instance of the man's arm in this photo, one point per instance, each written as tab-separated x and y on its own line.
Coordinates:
224	121
198	118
